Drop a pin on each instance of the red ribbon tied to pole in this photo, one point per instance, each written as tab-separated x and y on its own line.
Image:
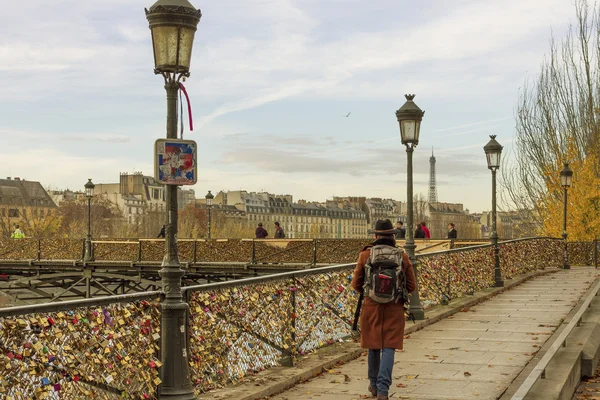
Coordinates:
189	106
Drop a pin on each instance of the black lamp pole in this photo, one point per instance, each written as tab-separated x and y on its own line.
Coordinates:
209	200
566	177
409	118
173	25
493	151
89	193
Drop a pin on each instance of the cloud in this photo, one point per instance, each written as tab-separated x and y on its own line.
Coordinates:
314	155
41	136
61	170
473	124
95	138
471	29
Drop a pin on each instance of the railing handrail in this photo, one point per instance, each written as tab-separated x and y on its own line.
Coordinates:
71	304
267	278
457	250
541	366
314	271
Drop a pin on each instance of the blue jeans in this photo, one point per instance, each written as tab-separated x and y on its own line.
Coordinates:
381	363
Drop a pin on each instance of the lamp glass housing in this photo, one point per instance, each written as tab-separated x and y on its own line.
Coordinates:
566	176
89	189
493	160
409	118
409	131
493	151
209	198
172	48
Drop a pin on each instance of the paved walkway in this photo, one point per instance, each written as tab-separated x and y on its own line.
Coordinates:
475	354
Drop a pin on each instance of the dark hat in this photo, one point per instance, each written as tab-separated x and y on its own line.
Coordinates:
384	227
260	224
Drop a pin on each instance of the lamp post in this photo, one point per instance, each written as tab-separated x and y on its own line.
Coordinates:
89	193
173	25
566	178
409	118
209	200
493	150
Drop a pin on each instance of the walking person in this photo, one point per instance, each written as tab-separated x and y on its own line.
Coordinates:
261	233
426	230
401	230
162	232
382	323
419	233
18	233
452	233
279	233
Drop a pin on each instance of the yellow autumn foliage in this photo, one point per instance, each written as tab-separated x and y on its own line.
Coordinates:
583	201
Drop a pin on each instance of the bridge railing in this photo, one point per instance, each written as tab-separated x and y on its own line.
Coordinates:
583	253
75	349
241	327
235	328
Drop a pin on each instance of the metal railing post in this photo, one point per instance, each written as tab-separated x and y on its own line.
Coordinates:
596	253
139	257
195	251
314	252
39	249
294	344
288	355
253	259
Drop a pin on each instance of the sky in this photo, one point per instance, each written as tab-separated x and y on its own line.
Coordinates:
270	84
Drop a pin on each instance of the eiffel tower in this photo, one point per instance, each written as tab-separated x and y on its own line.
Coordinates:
432	185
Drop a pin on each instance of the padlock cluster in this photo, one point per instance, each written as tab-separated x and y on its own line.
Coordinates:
242	330
96	352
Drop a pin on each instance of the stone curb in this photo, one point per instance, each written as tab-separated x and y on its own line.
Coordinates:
278	379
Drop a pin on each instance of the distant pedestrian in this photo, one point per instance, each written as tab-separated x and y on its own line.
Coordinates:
452	233
279	233
18	233
162	233
426	230
385	277
400	230
419	233
261	232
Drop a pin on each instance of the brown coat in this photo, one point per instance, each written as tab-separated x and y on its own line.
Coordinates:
381	325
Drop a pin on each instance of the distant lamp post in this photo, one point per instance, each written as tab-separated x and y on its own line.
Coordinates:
566	178
89	193
493	151
173	25
409	118
209	201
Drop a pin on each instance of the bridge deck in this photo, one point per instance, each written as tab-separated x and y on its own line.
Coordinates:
475	354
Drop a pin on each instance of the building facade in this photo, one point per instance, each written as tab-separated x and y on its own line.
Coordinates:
24	203
332	219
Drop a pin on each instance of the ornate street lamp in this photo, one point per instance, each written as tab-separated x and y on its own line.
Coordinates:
566	178
493	151
89	193
409	118
173	25
209	200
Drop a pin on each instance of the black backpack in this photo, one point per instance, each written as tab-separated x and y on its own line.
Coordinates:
385	280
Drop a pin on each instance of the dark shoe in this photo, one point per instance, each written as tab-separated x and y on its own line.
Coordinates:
382	397
373	390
